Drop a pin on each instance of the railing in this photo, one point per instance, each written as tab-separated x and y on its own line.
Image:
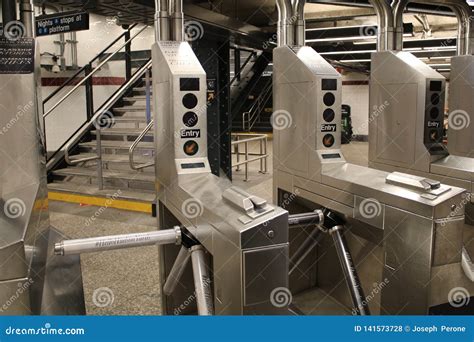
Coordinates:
252	116
131	152
76	81
97	121
241	68
250	157
99	55
90	74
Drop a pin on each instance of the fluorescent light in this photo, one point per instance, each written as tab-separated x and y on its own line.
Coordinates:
355	61
341	39
339	27
434	58
346	52
437	66
422	40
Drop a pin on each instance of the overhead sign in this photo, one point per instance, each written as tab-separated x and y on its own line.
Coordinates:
17	56
61	23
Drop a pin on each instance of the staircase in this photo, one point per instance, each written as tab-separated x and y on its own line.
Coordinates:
248	94
120	181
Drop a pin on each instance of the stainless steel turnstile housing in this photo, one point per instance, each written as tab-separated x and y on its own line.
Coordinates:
246	238
405	231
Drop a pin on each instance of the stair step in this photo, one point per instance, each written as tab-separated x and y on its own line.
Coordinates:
135	98
114	158
119	145
141	89
127	109
107	174
146	196
122	132
130	119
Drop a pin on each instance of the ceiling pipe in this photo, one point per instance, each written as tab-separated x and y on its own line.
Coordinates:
162	22
27	17
460	8
398	7
177	20
299	22
385	33
285	26
8	11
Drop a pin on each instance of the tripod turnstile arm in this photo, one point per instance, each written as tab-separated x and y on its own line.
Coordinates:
202	282
349	270
177	270
315	217
108	243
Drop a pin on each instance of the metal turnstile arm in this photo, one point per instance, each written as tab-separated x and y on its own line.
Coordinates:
350	273
202	282
302	252
467	264
108	243
177	270
315	217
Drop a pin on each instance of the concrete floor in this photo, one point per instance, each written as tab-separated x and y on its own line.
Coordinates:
129	279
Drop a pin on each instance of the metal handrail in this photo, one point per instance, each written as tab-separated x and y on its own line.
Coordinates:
70	79
255	115
56	105
256	108
252	54
134	146
97	116
261	156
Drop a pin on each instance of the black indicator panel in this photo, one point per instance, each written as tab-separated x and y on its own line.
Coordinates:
331	156
189	84
434	109
193	165
436	85
329	84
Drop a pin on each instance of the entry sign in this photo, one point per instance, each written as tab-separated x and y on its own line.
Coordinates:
61	23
